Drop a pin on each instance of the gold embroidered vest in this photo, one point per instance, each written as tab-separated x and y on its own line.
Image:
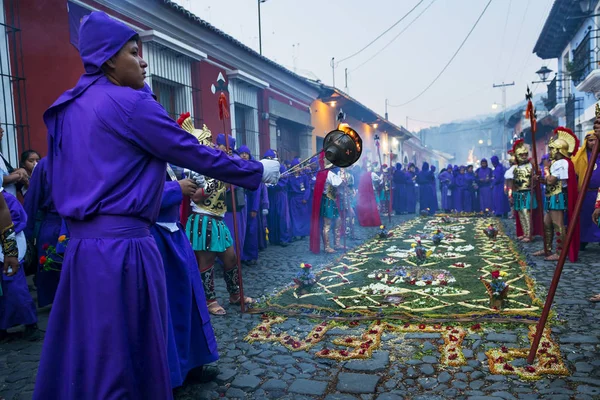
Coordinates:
214	204
555	188
522	177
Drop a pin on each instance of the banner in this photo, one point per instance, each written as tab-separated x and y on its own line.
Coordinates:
76	14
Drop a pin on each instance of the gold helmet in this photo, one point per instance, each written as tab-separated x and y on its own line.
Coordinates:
520	150
203	135
564	141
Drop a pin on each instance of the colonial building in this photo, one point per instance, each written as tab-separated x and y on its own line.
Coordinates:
188	61
570	35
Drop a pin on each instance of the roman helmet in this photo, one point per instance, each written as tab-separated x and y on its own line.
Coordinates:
520	151
203	135
564	141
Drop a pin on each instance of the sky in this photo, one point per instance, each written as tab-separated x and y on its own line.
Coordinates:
304	35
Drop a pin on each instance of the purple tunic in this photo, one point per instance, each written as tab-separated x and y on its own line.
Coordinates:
298	196
500	199
458	191
107	151
468	192
279	214
16	305
589	231
411	192
38	204
250	251
191	341
484	177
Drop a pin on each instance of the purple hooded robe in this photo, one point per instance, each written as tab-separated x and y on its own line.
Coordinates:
298	196
107	151
279	223
500	200
484	178
445	179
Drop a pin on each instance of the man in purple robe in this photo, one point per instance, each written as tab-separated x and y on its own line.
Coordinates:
399	185
483	179
108	144
298	196
500	200
411	190
426	197
590	232
39	207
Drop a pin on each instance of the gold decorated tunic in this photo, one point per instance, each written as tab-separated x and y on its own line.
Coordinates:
522	177
214	204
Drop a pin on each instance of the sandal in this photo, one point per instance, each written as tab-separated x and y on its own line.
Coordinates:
235	299
595	299
329	250
540	253
215	308
552	257
526	240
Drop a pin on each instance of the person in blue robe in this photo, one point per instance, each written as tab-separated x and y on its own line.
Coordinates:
399	198
411	191
43	228
484	177
16	304
500	203
298	197
108	144
253	217
280	232
459	187
425	190
469	190
191	342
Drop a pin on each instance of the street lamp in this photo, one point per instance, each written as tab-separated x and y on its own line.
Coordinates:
480	141
494	106
543	74
259	28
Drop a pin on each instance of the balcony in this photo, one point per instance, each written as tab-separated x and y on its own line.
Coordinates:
555	100
584	68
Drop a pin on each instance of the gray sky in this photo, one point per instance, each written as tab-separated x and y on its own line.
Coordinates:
305	34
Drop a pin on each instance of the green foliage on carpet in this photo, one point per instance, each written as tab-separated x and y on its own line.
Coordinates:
384	278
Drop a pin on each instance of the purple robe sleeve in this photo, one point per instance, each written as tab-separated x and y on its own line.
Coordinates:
155	132
172	195
33	200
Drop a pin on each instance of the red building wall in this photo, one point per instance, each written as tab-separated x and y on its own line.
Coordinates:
207	76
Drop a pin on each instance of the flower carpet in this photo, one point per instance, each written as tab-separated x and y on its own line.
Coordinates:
385	278
440	275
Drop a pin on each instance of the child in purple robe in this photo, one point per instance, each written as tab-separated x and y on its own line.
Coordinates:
298	197
16	305
411	191
43	229
108	144
484	177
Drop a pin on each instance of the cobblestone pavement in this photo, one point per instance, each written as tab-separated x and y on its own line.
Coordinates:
405	367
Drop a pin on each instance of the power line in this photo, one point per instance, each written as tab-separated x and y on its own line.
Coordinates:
503	37
386	31
518	37
449	62
395	37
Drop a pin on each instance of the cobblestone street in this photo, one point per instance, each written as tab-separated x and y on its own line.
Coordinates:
405	367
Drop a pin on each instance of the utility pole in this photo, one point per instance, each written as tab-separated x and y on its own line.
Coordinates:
503	86
333	69
259	28
346	80
386	113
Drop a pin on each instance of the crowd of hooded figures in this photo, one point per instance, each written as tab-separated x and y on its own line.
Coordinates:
454	189
132	294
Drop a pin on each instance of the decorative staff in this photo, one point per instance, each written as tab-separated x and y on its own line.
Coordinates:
563	254
536	184
221	88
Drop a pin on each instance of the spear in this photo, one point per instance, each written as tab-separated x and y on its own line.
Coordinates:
563	254
535	187
223	115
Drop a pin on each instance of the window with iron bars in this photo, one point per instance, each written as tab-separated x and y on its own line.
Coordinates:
170	75
13	100
573	109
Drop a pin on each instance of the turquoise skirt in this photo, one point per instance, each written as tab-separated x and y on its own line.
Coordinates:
208	234
329	208
557	202
522	200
